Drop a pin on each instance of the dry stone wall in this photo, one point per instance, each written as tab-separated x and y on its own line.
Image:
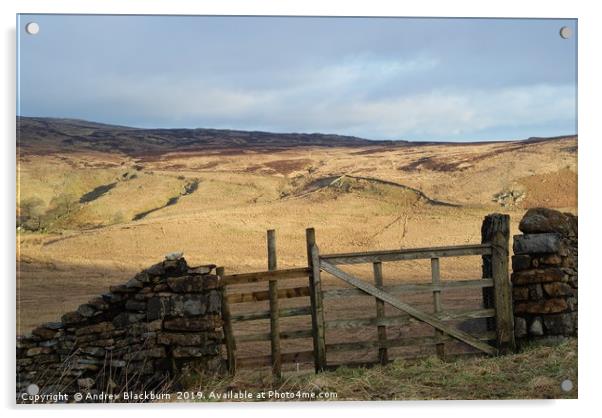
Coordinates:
544	275
164	322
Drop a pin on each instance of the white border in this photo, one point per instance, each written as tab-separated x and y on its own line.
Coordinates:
589	200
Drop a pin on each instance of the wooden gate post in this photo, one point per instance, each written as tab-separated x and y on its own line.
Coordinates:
383	355
315	294
496	231
227	320
436	279
274	308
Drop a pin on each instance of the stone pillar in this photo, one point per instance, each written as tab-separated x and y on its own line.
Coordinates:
544	275
141	335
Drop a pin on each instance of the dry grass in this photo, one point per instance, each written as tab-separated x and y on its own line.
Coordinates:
534	373
225	220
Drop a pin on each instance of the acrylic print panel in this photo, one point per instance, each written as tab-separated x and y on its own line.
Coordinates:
264	208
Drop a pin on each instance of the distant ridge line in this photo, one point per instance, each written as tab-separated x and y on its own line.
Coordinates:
51	135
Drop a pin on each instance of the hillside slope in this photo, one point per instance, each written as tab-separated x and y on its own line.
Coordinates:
98	202
78	174
49	135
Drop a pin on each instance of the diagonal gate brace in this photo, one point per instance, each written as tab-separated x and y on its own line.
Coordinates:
422	316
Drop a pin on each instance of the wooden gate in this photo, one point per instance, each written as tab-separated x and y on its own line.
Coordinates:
289	326
495	287
237	323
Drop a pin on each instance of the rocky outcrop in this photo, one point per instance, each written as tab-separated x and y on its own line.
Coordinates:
162	323
509	198
544	278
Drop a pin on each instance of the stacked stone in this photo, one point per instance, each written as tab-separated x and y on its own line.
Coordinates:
164	320
544	275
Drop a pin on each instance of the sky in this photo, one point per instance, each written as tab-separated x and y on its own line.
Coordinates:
377	78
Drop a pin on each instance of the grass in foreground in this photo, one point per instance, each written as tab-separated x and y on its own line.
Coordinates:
534	373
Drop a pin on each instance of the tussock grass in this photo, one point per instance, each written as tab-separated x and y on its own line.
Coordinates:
536	372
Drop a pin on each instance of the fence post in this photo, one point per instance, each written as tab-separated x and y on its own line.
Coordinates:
227	319
315	293
436	279
383	355
274	308
496	231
